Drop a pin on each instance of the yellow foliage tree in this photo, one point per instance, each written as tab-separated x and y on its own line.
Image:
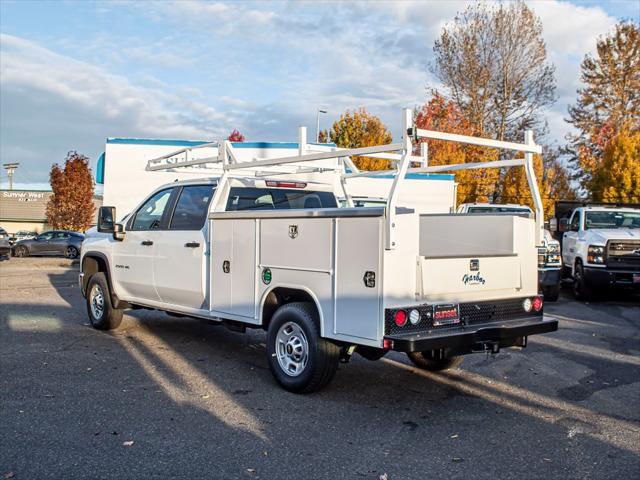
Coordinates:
618	180
359	128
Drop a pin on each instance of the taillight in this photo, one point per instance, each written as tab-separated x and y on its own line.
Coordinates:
537	304
278	184
400	318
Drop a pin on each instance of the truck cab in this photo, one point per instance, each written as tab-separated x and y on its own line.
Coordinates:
600	246
549	259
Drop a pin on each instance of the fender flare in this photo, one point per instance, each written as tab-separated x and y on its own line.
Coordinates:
291	286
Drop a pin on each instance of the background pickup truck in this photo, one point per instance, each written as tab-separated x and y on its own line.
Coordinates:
600	245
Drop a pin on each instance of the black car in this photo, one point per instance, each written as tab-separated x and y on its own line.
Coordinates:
5	247
55	242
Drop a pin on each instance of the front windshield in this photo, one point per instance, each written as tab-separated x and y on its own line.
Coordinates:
612	219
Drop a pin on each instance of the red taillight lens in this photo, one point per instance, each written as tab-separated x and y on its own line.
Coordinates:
537	304
401	318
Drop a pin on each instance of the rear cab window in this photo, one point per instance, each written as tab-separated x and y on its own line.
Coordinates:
278	199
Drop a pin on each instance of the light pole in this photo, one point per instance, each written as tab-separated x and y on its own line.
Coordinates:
10	168
320	110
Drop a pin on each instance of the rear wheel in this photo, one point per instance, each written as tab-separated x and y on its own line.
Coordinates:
21	251
300	360
551	293
101	312
71	252
581	289
428	361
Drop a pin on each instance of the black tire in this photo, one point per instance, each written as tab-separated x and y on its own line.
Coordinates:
20	251
581	289
322	356
110	318
551	293
71	252
427	361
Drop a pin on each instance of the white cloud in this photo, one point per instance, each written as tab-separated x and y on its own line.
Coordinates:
52	104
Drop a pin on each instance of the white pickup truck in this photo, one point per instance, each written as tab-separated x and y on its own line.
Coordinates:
600	246
549	260
274	252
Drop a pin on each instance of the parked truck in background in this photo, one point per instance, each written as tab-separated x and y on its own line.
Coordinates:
600	245
549	258
255	249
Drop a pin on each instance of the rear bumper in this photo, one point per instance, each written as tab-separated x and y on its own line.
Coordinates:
605	277
475	338
5	250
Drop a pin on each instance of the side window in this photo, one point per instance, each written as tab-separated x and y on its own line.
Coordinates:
575	222
45	236
191	209
148	216
62	235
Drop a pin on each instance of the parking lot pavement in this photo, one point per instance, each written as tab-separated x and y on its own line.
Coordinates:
198	401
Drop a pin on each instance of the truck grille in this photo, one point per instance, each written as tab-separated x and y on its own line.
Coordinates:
472	313
623	254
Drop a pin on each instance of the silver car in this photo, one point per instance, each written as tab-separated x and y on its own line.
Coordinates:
5	247
55	242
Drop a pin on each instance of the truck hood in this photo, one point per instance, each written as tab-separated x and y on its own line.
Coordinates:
603	235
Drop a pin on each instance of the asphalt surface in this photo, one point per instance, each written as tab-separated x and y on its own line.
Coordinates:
198	401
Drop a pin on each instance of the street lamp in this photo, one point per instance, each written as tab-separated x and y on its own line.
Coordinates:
320	110
10	168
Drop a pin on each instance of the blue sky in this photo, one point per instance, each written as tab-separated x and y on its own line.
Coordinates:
75	72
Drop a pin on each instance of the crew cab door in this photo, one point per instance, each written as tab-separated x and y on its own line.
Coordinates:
133	257
180	261
570	238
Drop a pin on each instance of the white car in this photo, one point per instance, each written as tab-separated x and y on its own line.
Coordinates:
601	248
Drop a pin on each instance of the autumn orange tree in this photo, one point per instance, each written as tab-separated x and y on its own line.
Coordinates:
71	205
359	128
607	110
235	136
444	115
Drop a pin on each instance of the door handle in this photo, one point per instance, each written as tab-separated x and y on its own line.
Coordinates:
146	243
192	244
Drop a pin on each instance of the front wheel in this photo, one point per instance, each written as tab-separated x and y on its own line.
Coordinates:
300	360
21	251
581	289
428	361
102	314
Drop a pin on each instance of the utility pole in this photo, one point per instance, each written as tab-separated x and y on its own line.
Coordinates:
10	168
320	110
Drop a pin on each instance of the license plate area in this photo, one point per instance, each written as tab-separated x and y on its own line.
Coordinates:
446	314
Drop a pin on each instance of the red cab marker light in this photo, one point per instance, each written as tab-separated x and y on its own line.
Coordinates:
537	304
278	184
400	318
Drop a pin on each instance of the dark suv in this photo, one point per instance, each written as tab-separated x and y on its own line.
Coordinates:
55	242
5	247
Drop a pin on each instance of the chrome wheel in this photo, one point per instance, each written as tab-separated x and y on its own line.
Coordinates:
292	349
96	300
72	252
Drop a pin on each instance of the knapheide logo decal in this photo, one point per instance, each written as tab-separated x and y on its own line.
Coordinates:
473	279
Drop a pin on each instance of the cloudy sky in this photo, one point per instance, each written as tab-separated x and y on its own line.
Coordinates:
73	72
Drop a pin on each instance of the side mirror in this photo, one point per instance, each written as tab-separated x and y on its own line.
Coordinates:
106	219
564	224
118	232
